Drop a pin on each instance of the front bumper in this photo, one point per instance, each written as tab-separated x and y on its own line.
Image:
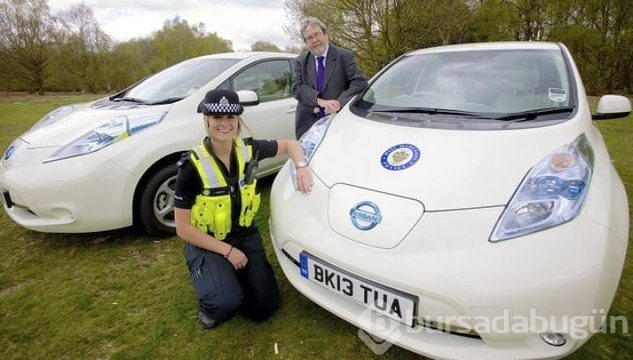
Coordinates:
565	273
83	194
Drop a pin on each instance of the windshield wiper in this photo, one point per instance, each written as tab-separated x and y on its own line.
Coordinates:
420	110
167	100
129	99
533	114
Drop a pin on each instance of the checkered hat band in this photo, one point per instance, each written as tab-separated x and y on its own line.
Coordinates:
217	108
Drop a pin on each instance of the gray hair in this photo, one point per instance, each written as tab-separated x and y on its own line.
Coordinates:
312	21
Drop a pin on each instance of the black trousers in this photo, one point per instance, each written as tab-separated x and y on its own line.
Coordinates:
222	291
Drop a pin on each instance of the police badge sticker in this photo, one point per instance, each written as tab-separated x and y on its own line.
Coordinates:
400	157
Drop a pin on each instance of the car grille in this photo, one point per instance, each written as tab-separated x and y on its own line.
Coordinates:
7	198
450	329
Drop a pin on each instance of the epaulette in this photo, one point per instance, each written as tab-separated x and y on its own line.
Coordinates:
183	158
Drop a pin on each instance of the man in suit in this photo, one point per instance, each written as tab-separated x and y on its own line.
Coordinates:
325	77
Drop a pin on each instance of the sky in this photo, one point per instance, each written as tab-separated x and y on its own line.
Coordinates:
241	21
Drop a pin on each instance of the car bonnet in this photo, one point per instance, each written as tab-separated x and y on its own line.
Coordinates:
438	168
81	121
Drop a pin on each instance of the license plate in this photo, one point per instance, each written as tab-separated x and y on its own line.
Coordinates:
382	299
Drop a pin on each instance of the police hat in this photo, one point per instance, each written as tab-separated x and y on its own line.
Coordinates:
220	102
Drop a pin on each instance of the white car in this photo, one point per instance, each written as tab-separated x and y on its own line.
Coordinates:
111	163
464	206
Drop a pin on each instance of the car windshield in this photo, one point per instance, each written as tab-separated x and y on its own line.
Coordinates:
177	82
498	84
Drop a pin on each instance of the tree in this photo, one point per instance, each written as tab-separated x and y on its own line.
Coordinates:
83	46
494	20
600	34
178	41
292	49
129	62
264	46
26	43
378	31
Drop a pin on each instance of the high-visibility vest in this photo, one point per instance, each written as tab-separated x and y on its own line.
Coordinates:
212	210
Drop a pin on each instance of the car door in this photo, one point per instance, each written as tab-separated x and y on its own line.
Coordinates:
274	117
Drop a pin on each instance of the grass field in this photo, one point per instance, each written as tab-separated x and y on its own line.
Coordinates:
125	295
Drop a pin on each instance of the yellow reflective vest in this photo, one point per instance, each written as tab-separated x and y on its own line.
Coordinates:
212	211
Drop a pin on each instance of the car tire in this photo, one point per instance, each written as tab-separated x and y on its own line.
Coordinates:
156	206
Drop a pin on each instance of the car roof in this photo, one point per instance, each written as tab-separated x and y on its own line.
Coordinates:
248	54
502	45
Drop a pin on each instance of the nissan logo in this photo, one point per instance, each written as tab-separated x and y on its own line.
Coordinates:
365	215
9	152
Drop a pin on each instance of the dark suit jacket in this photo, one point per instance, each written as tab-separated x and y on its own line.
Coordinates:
343	79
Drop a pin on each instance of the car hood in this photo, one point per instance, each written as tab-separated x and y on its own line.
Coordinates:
83	119
441	169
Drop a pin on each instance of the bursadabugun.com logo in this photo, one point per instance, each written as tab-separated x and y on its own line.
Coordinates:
384	332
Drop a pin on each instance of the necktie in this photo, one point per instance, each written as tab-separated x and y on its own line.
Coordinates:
320	77
320	73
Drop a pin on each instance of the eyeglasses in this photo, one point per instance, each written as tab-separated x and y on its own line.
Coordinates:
314	36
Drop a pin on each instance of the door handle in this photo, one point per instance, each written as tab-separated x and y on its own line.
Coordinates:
291	110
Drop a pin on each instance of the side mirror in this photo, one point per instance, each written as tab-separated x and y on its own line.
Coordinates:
248	97
612	107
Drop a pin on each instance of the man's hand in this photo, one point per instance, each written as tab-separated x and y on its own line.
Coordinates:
330	106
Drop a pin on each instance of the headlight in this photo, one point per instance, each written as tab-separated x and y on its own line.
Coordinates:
552	193
311	140
113	131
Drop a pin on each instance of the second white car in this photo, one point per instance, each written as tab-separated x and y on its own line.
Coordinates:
111	163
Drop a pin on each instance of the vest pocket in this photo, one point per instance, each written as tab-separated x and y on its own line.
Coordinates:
256	200
221	217
250	204
212	214
201	217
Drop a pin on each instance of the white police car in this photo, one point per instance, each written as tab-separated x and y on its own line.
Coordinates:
464	206
112	162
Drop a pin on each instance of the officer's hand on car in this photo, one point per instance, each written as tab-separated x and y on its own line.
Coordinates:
304	179
303	173
237	258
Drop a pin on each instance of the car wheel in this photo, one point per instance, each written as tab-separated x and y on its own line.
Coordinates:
156	206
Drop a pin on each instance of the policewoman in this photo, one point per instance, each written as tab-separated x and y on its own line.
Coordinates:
215	203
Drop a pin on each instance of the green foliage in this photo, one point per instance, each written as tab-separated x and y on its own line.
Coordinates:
81	51
599	33
69	52
264	46
493	21
26	30
130	62
178	41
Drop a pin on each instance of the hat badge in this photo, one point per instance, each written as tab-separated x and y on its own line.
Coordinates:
224	101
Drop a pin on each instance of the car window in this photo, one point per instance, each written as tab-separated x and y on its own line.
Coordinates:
180	80
271	80
492	81
226	85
